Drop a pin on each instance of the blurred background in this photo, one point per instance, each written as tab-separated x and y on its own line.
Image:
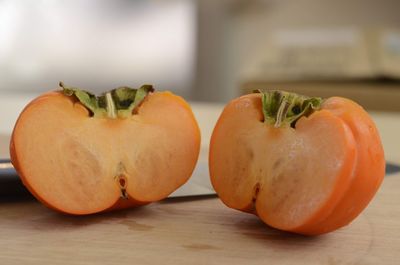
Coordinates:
208	51
204	50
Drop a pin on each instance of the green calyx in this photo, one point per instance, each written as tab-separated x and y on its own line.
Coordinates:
281	108
117	103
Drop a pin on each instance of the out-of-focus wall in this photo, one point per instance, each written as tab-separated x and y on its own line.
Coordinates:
200	49
241	28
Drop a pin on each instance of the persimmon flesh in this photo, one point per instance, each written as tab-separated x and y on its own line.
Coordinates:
301	164
82	154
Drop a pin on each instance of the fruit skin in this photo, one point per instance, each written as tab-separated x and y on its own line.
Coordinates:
119	202
356	189
368	173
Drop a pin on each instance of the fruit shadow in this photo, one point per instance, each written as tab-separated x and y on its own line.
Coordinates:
59	221
119	215
255	230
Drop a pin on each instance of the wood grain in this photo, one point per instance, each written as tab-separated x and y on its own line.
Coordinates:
193	231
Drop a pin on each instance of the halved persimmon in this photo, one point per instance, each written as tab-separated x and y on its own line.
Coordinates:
82	154
301	164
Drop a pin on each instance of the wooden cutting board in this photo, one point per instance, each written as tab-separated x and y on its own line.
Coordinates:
193	231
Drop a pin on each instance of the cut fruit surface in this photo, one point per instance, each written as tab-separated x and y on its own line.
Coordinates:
294	176
81	164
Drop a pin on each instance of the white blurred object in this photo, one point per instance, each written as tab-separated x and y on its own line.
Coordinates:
97	44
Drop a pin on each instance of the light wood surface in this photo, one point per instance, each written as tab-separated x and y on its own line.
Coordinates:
200	231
